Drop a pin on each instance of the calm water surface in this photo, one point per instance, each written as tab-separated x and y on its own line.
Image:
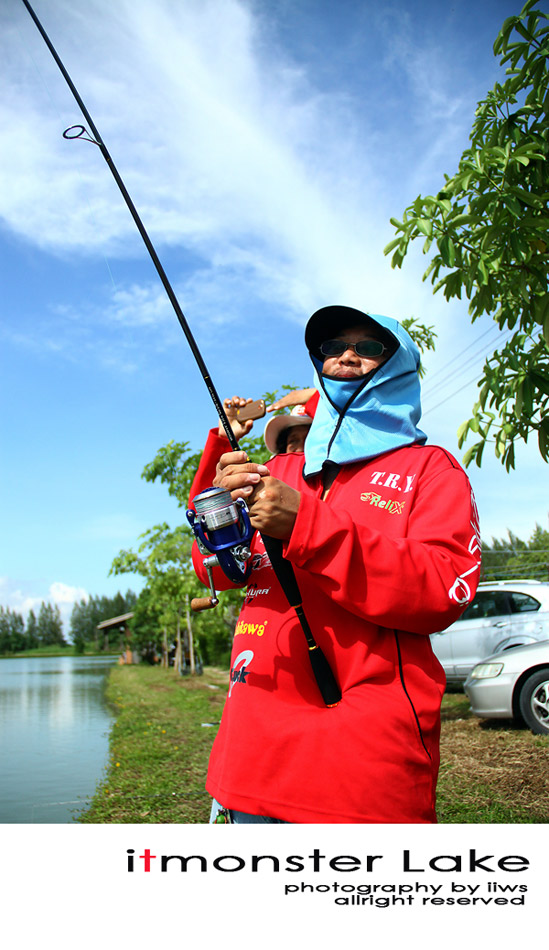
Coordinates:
54	726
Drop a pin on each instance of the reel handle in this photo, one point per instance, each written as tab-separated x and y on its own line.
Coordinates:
203	603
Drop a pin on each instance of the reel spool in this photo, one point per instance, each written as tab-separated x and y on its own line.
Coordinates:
223	530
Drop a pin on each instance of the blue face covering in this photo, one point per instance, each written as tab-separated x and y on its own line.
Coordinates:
359	419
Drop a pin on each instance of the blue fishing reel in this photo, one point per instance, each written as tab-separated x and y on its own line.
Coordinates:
223	530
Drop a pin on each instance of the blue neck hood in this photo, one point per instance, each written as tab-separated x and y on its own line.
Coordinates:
359	419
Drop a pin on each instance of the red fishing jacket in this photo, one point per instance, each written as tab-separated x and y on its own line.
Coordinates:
390	556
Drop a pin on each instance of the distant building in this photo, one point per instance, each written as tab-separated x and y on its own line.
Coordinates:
121	624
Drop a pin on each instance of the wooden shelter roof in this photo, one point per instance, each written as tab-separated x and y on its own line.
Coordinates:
114	621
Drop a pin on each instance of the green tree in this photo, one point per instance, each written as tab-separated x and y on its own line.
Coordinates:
31	631
147	627
487	230
17	633
81	629
88	613
12	631
164	560
5	642
50	626
511	557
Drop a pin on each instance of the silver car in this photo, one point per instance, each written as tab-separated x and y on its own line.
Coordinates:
503	614
513	685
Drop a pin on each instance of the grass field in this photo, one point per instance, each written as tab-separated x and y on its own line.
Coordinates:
165	726
491	771
159	746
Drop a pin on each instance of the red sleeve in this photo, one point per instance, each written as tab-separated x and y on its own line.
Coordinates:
311	404
216	446
419	583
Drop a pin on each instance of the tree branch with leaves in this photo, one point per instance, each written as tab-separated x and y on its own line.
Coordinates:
487	231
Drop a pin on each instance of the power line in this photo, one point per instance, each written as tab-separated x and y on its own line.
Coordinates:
462	352
451	376
510	552
480	352
451	396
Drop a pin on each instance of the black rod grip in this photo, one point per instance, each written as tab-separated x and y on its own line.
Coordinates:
283	570
327	683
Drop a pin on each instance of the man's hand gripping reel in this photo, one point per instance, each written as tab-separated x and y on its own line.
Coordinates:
223	531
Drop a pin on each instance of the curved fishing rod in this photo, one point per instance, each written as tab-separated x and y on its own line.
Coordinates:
284	571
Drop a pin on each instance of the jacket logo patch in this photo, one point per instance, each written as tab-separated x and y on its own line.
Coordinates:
255	592
390	505
259	561
253	628
393	480
239	669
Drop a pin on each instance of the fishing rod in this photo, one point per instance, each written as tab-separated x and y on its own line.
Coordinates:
218	515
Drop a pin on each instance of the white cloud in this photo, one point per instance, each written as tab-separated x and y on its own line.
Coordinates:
12	596
64	594
280	191
17	597
225	146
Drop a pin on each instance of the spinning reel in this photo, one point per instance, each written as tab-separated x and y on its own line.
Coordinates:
223	531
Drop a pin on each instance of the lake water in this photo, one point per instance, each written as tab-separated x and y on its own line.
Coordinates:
54	729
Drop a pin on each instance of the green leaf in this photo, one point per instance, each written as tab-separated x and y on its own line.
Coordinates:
543	442
540	381
541	312
513	205
469	456
447	250
462	432
483	271
445	204
461	219
502	38
533	200
519	400
425	226
391	245
528	396
474	424
543	437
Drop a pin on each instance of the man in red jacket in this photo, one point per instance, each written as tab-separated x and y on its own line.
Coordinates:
382	533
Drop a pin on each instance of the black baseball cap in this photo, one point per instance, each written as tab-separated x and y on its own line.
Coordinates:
329	321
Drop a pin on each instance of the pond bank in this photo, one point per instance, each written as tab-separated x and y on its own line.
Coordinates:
159	747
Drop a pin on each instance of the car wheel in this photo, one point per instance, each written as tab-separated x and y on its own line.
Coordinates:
534	702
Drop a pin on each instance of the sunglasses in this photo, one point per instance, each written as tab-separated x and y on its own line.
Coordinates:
362	348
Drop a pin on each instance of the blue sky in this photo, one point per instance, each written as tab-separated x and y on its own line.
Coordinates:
266	145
